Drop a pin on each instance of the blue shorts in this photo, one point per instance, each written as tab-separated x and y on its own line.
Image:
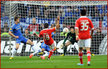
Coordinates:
22	39
46	47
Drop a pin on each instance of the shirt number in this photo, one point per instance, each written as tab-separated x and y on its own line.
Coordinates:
46	36
84	26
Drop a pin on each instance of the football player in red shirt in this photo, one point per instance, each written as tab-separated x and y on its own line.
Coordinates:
82	28
46	33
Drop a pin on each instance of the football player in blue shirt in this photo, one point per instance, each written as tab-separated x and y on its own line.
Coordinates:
15	31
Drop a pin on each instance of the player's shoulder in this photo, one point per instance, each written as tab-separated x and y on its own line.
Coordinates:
43	30
13	26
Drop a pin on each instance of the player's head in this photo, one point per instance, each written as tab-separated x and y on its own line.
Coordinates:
83	12
17	19
34	20
46	25
72	29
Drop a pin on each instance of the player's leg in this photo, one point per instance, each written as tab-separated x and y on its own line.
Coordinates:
65	48
88	45
14	50
81	44
46	54
36	52
80	56
52	51
31	43
47	51
28	41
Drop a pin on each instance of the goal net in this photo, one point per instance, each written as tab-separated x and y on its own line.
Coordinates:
39	12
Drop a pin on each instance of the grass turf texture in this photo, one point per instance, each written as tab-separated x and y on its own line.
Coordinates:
97	61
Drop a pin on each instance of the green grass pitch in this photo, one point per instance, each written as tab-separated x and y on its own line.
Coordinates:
97	61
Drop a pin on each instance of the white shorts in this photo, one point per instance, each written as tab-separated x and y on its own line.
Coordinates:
52	46
84	43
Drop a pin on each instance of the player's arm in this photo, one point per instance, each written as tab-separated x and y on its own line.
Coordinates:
92	33
77	29
27	30
92	28
57	22
36	34
65	39
10	33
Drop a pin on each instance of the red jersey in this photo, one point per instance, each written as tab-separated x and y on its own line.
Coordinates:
84	25
47	36
32	27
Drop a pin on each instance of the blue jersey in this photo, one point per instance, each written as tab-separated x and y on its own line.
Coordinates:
16	30
46	47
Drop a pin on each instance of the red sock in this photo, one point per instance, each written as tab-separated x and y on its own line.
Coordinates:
88	55
51	52
80	56
53	49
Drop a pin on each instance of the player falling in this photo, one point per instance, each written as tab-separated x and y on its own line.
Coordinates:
15	31
72	39
42	50
82	28
47	36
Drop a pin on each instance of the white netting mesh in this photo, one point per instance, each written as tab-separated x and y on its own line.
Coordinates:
46	12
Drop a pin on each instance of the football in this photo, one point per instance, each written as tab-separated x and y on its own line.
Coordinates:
65	30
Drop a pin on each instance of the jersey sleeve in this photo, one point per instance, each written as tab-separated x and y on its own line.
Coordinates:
91	25
76	24
11	29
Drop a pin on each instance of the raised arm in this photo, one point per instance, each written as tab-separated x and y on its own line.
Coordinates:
77	29
57	22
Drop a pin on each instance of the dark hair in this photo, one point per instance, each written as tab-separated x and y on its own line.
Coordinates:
15	18
72	27
83	12
46	25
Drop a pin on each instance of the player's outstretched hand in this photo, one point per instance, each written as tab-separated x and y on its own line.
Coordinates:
16	36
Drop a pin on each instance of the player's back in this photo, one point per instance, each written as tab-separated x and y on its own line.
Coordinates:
84	24
47	36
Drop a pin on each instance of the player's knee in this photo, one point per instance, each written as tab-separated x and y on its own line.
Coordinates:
30	42
17	47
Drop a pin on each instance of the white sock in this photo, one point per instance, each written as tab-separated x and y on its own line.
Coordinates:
46	53
13	52
37	51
